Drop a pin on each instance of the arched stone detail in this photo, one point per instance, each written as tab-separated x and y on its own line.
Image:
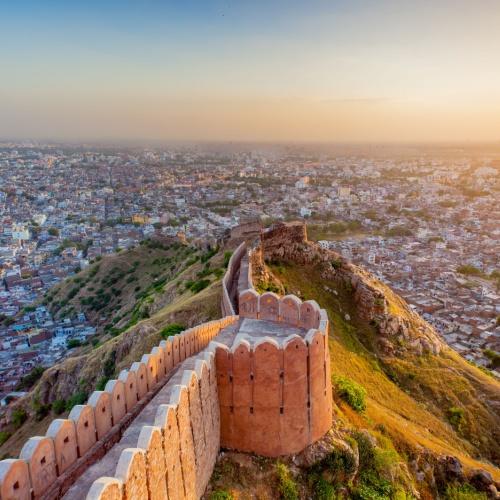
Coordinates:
196	339
211	446
187	342
209	357
130	387
182	347
224	363
175	347
242	394
320	394
63	433
208	335
180	399
101	402
269	306
84	418
166	420
40	454
249	304
295	418
160	361
14	479
168	350
190	380
309	314
131	470
141	378
290	310
267	397
324	324
106	488
151	441
151	369
116	389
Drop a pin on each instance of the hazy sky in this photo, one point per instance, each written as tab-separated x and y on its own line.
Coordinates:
372	70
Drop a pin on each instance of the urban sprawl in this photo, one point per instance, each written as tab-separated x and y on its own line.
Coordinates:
427	223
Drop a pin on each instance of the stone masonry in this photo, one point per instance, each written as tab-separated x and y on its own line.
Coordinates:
258	382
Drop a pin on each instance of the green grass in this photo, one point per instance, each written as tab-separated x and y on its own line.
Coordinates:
286	485
351	392
463	492
408	395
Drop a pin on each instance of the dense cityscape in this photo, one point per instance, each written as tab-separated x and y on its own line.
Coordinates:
425	222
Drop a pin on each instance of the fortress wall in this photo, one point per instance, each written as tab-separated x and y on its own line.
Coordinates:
176	454
288	309
229	277
275	399
49	464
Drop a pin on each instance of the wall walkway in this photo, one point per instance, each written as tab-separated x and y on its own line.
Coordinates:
262	386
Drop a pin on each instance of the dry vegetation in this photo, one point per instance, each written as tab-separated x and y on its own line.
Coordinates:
169	299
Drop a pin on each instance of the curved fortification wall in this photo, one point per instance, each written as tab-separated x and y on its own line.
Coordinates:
263	386
49	464
175	455
230	281
275	395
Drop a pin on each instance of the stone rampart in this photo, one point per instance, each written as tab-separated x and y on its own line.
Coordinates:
175	454
270	396
49	464
228	281
275	398
288	309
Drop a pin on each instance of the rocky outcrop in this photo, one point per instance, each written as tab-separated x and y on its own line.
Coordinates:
399	328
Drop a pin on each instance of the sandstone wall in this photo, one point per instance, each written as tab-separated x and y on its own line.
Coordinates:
49	464
176	454
288	309
229	282
275	399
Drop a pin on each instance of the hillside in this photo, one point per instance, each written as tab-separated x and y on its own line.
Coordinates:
430	420
178	285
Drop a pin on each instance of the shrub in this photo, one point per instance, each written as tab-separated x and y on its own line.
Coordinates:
4	435
323	490
493	356
286	485
463	492
456	417
59	406
352	393
19	416
77	399
221	495
198	286
372	487
336	263
72	343
101	383
172	329
469	270
227	256
41	410
29	380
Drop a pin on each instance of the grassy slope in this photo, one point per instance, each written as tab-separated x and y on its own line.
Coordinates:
86	367
411	407
117	281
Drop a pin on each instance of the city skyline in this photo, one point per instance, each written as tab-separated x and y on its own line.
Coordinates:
322	71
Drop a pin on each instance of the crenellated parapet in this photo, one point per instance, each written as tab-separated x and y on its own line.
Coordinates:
175	455
275	395
289	310
47	464
258	382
